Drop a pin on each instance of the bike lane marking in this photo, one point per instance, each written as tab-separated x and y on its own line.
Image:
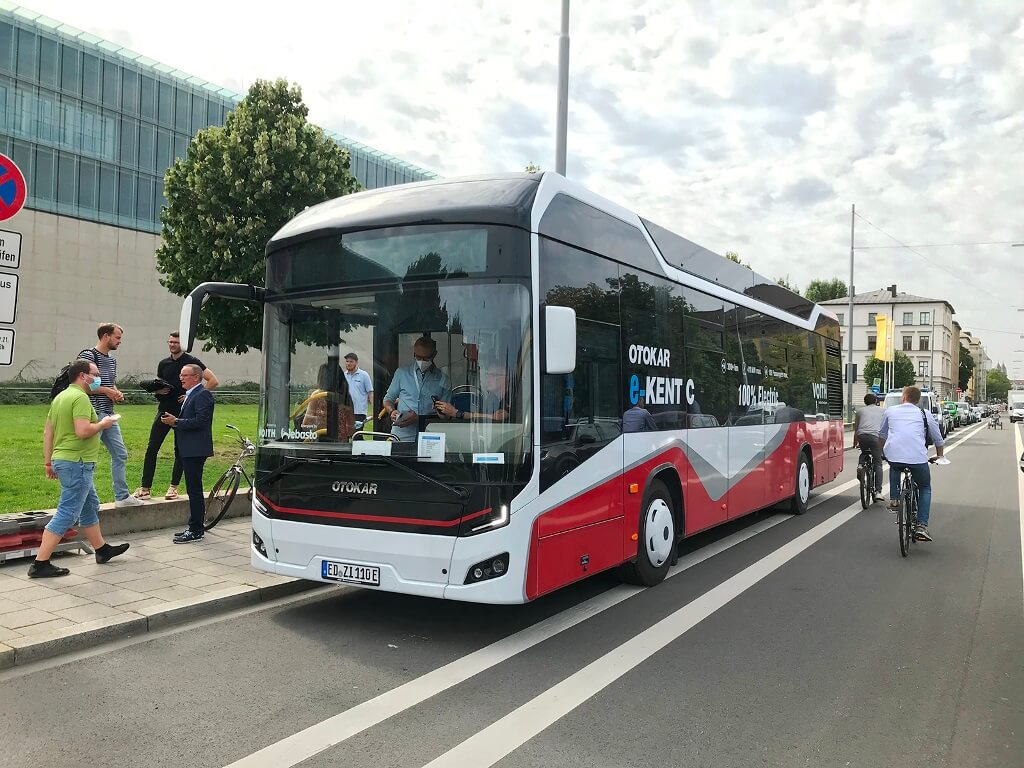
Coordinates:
496	741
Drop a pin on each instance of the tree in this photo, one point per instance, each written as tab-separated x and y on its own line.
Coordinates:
733	256
904	375
825	290
532	167
784	282
238	184
998	384
966	367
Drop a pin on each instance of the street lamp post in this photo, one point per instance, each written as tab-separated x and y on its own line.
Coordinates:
563	91
849	328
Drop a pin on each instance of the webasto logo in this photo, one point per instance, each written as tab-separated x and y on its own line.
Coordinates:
298	434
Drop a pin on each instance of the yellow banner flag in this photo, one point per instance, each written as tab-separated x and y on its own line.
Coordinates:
883	342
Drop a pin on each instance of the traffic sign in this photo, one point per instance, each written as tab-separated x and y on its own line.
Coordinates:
8	297
10	249
12	188
6	346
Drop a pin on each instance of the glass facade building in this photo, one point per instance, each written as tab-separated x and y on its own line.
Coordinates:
94	126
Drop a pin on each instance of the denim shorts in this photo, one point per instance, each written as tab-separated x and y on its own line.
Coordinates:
78	503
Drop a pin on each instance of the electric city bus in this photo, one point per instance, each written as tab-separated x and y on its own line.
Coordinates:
599	388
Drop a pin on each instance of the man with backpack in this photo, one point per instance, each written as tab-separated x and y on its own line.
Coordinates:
70	444
103	399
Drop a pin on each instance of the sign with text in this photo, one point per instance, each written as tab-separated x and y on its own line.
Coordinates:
12	188
8	297
6	346
10	249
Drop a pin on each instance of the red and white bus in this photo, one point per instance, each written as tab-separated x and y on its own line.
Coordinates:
555	315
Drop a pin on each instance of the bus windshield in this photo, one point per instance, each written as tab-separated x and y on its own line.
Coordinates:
422	323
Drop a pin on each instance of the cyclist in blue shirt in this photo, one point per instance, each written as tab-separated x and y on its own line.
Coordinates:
905	432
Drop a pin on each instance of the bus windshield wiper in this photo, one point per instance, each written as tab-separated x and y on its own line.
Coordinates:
290	462
462	493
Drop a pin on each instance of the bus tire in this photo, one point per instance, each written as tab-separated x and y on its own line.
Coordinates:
656	539
801	485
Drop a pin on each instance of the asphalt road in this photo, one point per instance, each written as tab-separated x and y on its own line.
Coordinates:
778	641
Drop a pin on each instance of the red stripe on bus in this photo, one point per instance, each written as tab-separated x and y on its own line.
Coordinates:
372	518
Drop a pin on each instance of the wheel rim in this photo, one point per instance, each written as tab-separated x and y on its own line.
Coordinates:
803	481
659	533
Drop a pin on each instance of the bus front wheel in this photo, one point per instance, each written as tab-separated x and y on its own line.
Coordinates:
656	539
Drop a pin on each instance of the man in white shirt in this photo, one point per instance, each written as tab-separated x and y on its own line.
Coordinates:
360	386
865	436
904	432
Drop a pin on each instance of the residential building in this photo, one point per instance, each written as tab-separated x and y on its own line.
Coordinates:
976	387
94	127
925	331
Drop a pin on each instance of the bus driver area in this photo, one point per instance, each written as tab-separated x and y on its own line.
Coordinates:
521	346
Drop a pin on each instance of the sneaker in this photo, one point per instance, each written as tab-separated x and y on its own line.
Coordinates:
129	501
45	570
109	551
142	493
921	533
876	498
187	537
894	505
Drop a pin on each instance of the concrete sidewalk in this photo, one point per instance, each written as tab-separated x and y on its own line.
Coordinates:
154	584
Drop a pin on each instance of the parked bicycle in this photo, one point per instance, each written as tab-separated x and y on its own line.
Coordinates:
224	490
906	514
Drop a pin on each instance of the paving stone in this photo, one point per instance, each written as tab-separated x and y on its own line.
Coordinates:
146	584
118	597
149	602
59	602
8	582
31	592
116	576
46	626
175	593
26	618
90	590
7	606
84	613
7	634
215	569
199	580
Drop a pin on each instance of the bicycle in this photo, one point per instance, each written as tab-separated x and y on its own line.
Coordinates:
906	513
866	475
224	490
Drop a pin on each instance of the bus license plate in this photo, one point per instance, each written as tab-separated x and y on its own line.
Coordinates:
350	572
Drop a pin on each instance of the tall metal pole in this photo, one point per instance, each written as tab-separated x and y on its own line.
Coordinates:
849	329
931	353
563	90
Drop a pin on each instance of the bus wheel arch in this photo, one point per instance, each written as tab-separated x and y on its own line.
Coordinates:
803	481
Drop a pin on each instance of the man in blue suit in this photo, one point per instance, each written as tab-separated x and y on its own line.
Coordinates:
193	442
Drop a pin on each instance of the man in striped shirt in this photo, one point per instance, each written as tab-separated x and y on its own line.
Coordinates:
109	335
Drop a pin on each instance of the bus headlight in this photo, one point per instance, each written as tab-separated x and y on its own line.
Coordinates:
491	568
485	520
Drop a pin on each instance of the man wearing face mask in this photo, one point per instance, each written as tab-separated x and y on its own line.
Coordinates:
410	398
71	445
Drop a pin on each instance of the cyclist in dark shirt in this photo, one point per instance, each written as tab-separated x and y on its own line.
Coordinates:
169	401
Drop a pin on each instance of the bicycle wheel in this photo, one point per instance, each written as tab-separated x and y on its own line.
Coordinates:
904	527
220	498
866	480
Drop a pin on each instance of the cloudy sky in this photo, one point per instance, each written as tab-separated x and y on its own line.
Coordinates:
749	126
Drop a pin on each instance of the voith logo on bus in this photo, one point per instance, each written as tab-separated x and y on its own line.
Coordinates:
659	390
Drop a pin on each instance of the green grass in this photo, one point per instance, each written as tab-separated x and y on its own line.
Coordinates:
23	482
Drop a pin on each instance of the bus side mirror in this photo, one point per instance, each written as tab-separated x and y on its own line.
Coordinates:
1022	462
559	340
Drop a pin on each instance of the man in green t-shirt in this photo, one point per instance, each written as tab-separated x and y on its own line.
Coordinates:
71	444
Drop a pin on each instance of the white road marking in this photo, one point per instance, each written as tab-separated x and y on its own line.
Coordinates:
1017	457
334	730
302	745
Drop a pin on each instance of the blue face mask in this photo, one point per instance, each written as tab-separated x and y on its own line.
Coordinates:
95	384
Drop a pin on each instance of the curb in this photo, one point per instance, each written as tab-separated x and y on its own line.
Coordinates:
47	645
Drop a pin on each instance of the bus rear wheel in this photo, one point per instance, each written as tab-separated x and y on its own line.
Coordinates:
656	539
802	485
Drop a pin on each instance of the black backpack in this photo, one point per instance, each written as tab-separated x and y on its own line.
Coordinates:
63	380
927	434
